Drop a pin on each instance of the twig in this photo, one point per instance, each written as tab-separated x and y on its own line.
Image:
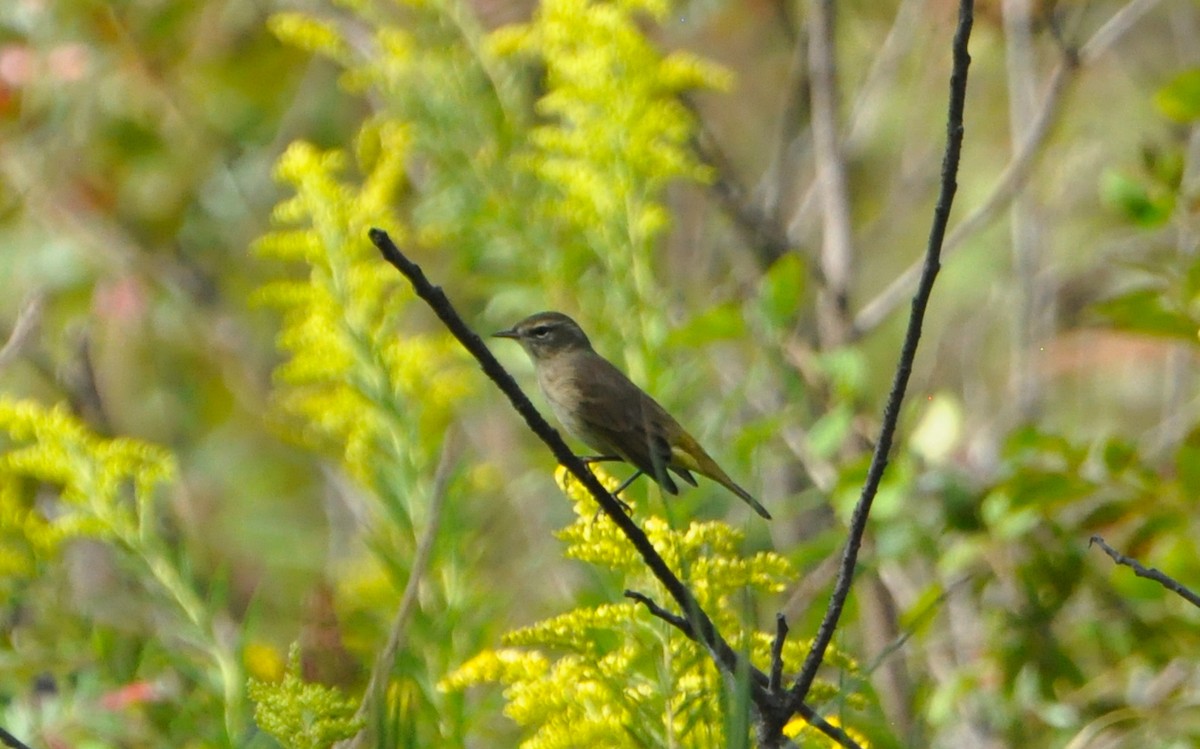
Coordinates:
399	629
827	728
1114	28
678	622
891	412
1151	573
759	227
781	632
28	320
12	741
1019	169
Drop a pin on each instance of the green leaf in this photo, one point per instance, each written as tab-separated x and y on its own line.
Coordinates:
1118	455
1179	100
847	370
1134	200
1191	283
828	433
782	290
1187	464
1165	164
1144	311
960	505
721	323
1045	489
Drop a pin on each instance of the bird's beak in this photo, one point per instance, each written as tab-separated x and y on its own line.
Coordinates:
510	333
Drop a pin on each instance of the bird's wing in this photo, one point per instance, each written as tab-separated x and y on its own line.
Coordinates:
629	422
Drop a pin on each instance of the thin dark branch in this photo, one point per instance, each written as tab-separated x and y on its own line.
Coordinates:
781	633
9	740
399	629
1150	573
678	622
707	635
827	728
891	412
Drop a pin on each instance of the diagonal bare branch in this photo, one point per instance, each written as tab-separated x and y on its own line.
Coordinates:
1150	573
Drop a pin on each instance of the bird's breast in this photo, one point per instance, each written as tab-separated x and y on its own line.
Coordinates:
567	400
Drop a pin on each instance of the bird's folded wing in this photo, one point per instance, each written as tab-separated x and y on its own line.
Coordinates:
632	424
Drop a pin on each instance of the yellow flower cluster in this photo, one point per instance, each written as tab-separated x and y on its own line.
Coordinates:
614	674
357	383
613	134
617	133
302	715
103	484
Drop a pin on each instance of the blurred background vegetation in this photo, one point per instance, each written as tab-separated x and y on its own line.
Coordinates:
263	437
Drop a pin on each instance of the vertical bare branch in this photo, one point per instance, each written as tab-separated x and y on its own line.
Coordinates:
1025	230
836	253
908	352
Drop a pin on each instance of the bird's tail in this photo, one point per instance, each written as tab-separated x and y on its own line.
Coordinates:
715	472
692	456
744	496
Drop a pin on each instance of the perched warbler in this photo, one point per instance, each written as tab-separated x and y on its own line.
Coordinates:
601	407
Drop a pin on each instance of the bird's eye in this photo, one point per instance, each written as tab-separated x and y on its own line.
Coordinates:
540	331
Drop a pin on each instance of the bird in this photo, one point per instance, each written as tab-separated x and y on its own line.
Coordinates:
601	407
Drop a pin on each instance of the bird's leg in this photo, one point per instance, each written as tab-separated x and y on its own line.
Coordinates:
628	510
625	484
589	459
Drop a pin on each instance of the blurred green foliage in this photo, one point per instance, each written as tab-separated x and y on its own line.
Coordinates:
211	457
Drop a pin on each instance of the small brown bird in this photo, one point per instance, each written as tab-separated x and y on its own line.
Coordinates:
601	407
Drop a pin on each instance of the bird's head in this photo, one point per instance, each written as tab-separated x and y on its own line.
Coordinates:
546	335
